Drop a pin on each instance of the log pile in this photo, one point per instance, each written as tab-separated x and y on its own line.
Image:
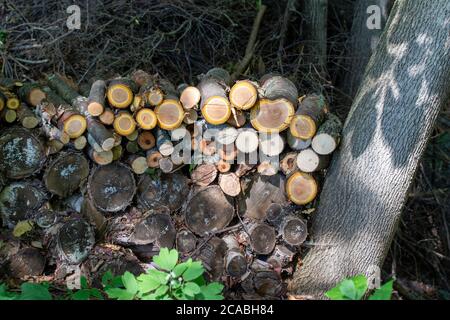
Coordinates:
225	172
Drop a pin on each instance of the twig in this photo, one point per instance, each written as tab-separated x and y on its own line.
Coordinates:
250	45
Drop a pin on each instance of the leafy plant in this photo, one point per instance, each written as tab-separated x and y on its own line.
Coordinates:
355	288
170	280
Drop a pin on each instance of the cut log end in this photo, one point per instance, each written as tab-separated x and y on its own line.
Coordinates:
262	238
155	97
146	140
146	119
243	95
139	165
272	116
247	141
204	174
166	165
229	183
190	116
293	230
112	187
223	166
13	103
170	114
324	143
208	210
119	95
153	157
75	126
190	97
288	163
124	124
216	110
237	119
303	127
301	188
310	161
186	241
107	117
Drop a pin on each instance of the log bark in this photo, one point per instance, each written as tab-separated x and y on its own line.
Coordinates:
212	255
328	136
384	137
27	117
214	104
32	94
96	99
163	142
309	115
235	262
111	187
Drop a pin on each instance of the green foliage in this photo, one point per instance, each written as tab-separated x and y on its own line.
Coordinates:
356	287
170	280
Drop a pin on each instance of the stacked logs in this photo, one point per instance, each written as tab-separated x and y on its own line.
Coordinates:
222	171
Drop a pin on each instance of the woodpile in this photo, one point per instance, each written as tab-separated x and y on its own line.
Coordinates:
223	171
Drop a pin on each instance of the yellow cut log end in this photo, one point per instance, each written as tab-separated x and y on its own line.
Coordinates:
146	119
301	188
170	114
243	95
13	103
75	126
303	127
124	124
216	110
271	116
119	96
155	97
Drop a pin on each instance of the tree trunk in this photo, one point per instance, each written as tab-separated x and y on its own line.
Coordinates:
363	41
406	84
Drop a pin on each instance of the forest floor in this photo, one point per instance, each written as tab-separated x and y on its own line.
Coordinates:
180	40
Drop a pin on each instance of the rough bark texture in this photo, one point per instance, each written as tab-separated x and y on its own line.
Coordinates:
316	32
405	85
363	42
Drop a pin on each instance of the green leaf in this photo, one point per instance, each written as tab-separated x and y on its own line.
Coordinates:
384	292
212	291
82	294
349	289
180	268
107	278
83	282
120	294
360	282
161	290
191	289
34	291
22	227
5	294
130	283
150	296
147	283
160	276
166	259
194	271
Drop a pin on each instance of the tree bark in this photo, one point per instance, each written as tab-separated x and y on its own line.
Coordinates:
392	117
363	42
